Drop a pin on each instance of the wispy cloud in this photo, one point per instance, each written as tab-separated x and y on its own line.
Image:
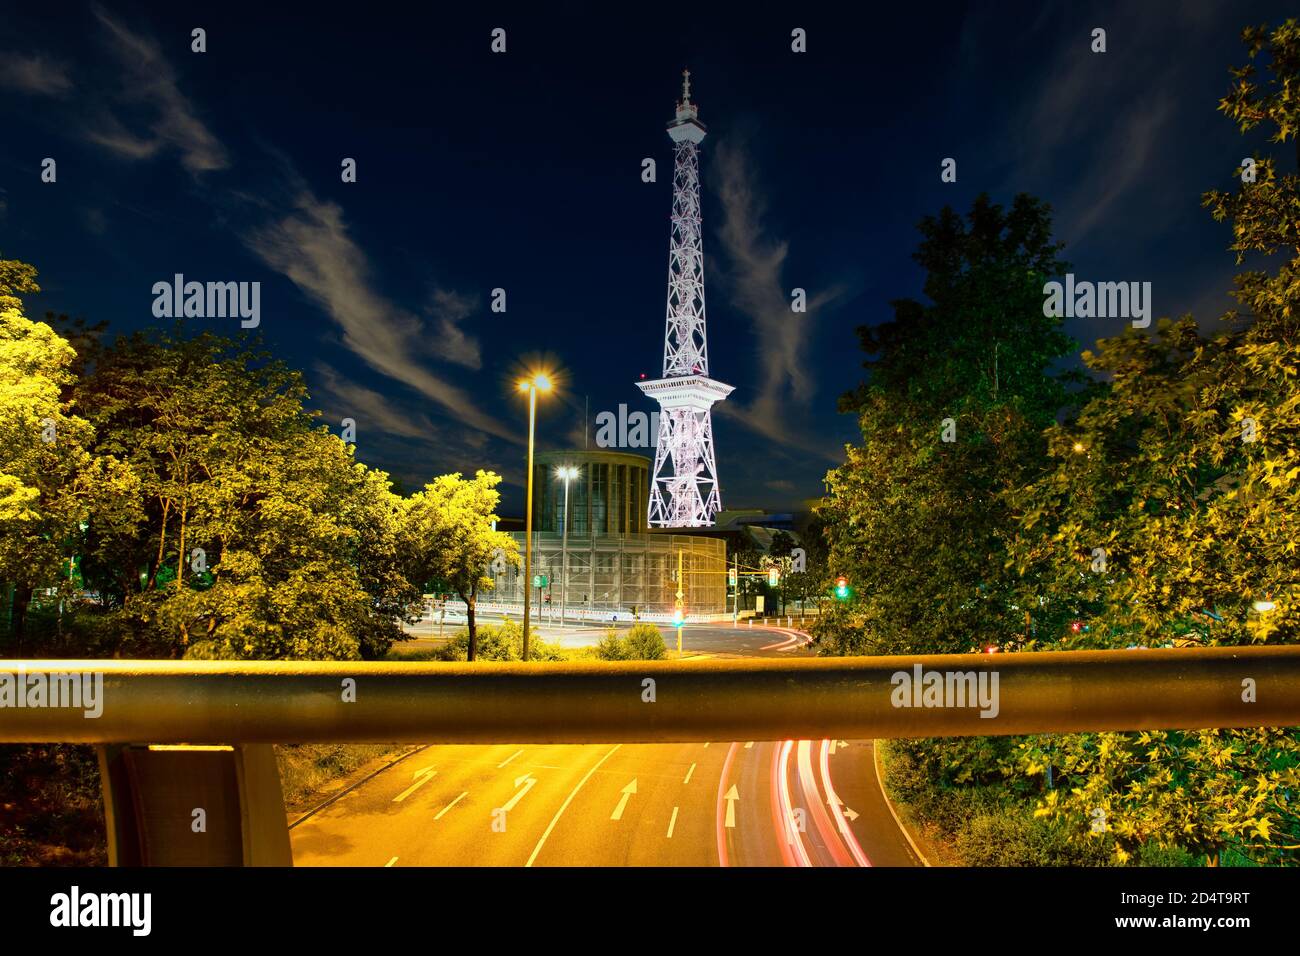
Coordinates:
371	408
34	73
151	93
1059	126
758	289
312	247
451	309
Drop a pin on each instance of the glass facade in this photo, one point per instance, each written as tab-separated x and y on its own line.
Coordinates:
615	572
609	496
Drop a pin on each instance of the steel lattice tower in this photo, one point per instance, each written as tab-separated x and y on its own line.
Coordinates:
684	482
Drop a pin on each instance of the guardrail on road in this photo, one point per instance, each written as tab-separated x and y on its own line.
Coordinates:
179	736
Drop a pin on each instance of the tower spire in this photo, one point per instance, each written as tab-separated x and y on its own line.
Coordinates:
684	489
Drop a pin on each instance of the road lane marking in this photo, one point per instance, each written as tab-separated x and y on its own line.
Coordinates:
622	801
731	798
672	823
717	816
421	777
688	774
750	745
450	805
528	781
565	805
508	759
390	862
706	744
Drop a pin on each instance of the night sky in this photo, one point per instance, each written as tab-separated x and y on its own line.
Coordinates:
523	171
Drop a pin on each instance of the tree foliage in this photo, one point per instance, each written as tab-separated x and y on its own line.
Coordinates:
450	530
1185	470
958	392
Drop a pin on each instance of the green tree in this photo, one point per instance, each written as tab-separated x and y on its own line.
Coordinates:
253	533
957	395
1182	475
48	480
450	538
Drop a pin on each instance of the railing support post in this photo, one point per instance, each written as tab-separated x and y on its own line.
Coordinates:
193	806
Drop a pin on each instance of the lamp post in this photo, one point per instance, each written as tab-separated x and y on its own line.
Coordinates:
538	383
567	473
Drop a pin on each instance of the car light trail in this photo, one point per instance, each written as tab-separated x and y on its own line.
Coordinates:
837	808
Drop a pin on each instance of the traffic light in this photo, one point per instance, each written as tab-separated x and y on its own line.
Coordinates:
841	587
679	618
731	577
773	577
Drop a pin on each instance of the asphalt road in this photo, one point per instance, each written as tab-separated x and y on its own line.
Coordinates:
744	803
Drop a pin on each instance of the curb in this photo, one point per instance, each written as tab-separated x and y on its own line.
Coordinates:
880	779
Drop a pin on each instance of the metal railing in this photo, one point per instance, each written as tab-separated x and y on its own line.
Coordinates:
222	702
176	738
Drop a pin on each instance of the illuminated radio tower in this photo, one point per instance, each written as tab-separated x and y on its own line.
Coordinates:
684	488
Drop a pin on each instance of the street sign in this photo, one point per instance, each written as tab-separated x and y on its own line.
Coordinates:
540	580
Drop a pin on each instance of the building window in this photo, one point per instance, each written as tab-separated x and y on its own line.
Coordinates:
599	500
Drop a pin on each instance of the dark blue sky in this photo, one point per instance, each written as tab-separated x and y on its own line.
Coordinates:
522	171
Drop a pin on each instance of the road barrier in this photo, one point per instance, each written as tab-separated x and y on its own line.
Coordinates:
220	717
226	702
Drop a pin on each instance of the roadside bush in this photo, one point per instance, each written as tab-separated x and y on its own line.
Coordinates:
502	643
1011	838
611	647
1149	854
643	642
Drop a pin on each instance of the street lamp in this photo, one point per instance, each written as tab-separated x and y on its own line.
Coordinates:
567	473
539	382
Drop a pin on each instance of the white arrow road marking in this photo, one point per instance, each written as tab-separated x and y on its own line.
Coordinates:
508	759
450	805
731	798
421	777
622	801
688	774
529	781
672	823
840	743
835	801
